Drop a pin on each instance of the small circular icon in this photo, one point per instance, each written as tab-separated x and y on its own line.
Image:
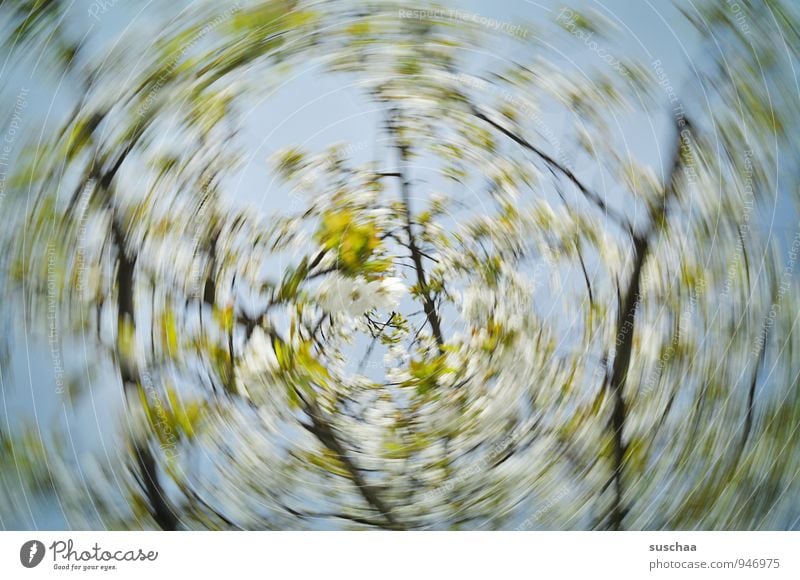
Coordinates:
31	553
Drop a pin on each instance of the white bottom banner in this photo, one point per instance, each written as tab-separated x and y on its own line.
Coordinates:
388	555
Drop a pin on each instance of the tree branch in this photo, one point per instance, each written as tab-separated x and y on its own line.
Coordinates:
160	510
618	218
416	255
629	303
323	431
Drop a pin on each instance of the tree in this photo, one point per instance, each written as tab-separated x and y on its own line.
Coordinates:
527	351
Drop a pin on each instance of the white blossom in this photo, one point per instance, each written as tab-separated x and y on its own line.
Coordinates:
259	358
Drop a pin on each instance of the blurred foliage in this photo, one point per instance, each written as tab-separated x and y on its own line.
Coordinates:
624	356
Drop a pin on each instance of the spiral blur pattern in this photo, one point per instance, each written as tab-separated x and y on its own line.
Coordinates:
288	264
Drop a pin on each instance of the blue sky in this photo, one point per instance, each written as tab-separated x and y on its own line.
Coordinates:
313	111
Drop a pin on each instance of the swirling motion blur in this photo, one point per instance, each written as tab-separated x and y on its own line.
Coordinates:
553	291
